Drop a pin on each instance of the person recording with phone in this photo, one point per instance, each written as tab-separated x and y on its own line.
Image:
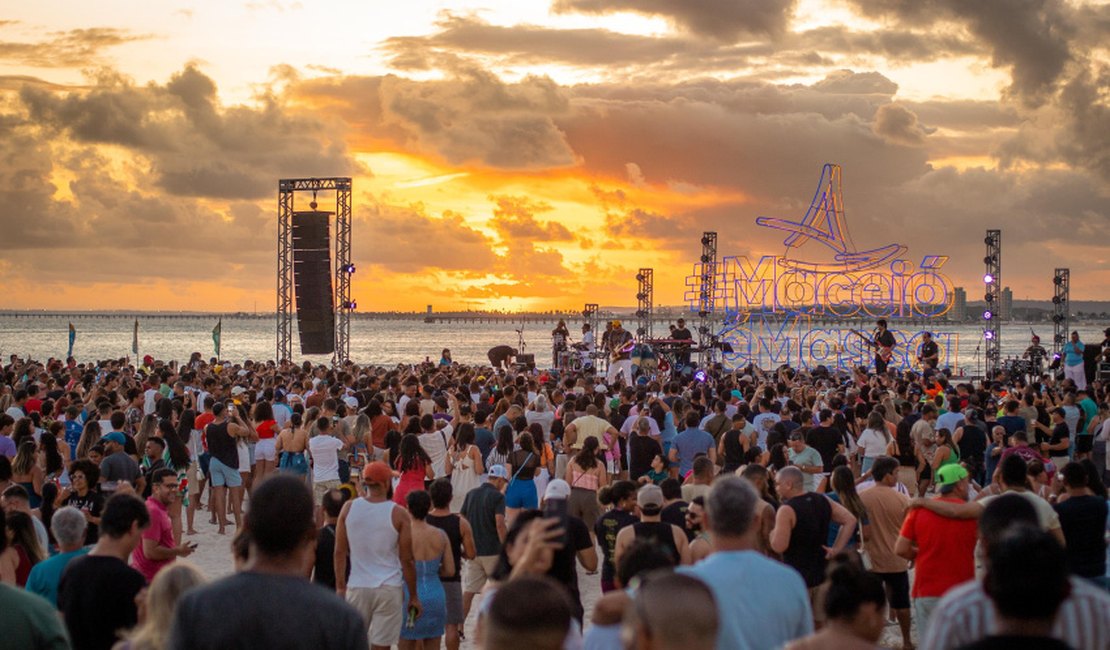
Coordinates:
157	547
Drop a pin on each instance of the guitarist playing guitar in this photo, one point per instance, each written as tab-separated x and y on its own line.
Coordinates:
883	341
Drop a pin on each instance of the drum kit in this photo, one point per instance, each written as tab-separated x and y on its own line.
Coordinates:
1017	367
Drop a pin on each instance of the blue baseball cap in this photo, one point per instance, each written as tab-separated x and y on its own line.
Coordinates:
115	437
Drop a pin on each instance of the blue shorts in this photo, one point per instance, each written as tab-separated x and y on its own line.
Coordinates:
204	459
521	493
222	475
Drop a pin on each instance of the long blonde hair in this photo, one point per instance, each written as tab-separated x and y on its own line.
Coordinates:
147	427
361	428
161	599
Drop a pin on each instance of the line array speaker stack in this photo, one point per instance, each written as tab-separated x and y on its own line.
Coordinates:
312	275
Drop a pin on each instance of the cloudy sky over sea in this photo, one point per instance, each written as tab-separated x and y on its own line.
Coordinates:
531	154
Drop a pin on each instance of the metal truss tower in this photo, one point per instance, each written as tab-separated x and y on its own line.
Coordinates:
992	279
707	293
645	297
1061	312
343	268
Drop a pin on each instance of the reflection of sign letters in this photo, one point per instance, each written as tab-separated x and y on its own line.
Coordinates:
875	283
771	342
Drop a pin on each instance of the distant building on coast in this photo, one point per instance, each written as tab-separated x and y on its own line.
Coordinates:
1006	309
959	304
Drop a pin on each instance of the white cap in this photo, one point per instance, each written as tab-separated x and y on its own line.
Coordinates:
351	401
238	390
499	471
557	489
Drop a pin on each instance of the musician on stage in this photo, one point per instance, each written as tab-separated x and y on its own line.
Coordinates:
1036	355
559	337
501	356
884	342
586	347
928	353
681	333
1105	346
620	354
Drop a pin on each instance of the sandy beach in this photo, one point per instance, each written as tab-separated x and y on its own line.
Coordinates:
213	556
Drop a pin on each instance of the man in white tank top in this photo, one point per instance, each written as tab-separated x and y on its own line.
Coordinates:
378	535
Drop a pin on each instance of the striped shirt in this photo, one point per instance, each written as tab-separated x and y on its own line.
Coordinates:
965	615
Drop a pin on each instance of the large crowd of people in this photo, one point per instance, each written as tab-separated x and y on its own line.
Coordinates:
439	504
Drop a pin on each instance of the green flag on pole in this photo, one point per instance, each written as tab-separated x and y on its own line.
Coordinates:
216	332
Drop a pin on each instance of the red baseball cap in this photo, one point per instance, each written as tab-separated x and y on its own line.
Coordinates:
377	472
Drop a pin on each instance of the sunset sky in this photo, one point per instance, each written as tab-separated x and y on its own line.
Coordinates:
533	154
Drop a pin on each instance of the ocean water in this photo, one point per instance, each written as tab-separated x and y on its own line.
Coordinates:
376	341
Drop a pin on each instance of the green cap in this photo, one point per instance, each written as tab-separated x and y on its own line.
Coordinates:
950	475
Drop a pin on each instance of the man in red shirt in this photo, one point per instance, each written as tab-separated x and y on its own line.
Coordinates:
942	548
157	548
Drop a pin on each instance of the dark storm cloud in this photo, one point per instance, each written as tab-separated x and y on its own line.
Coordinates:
75	48
195	145
724	20
1087	140
471	117
1028	36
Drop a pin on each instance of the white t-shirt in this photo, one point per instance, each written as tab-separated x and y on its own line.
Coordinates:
282	413
16	413
150	400
324	450
435	445
872	442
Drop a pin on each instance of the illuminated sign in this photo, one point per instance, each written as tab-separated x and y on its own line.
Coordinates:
775	308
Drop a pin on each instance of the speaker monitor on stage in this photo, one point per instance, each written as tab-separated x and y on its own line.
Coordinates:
526	361
312	275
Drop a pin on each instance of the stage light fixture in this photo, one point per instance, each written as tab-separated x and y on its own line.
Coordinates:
988	314
705	259
989	297
988	279
700	376
639	277
988	335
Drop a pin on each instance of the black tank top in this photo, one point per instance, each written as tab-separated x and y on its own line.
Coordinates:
811	531
734	451
221	445
450	525
657	532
